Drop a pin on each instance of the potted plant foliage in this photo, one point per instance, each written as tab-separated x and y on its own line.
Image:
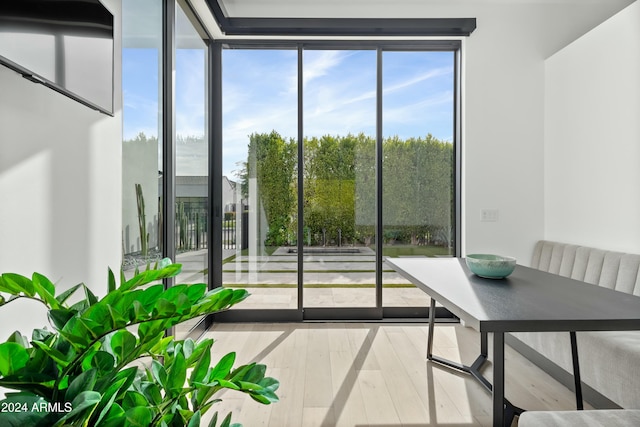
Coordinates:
107	362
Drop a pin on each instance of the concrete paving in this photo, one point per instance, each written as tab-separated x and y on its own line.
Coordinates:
330	279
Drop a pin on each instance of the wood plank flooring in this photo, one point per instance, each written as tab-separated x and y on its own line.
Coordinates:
369	374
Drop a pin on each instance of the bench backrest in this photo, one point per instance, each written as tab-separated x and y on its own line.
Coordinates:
614	270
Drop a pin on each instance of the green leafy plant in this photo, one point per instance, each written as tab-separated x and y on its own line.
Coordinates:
107	362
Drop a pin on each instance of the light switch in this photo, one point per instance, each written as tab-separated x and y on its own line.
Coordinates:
489	215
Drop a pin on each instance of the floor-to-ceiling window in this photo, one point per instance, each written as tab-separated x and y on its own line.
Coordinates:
142	58
335	157
192	212
418	163
151	136
339	164
259	197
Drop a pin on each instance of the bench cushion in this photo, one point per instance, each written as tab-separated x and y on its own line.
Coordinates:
601	418
608	360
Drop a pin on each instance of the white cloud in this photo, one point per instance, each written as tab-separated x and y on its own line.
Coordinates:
320	63
438	72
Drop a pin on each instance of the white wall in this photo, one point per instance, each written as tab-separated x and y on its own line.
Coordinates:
503	132
592	137
60	188
503	117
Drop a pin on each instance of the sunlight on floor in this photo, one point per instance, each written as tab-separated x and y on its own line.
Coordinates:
354	374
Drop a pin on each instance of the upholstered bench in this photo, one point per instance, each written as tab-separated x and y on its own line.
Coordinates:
609	361
601	418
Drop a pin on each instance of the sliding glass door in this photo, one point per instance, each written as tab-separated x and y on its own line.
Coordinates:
259	193
165	117
418	166
339	164
335	157
192	212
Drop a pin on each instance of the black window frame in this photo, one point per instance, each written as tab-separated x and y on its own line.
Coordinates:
301	313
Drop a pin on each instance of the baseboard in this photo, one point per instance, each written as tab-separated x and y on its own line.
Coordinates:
589	394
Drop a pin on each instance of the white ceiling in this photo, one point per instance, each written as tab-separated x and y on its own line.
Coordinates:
552	23
384	8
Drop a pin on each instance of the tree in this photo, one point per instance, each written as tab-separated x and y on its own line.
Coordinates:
339	195
272	162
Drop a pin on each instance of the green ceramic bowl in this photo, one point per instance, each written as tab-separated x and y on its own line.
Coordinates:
491	266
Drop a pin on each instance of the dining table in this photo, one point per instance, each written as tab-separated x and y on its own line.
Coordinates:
528	300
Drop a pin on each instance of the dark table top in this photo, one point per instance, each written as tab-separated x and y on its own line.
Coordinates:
527	300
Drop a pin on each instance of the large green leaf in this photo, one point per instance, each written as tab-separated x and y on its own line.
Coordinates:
150	330
152	392
85	399
79	343
134	399
117	319
159	373
82	405
139	416
183	304
164	262
199	372
107	400
115	417
18	338
255	374
114	388
177	374
90	296
123	344
222	369
103	362
241	371
201	348
264	392
247	386
228	384
83	382
196	291
160	347
113	298
150	296
83	327
31	382
60	317
60	358
45	289
188	347
225	423
99	313
18	282
9	286
66	294
151	276
41	335
13	357
164	308
137	313
129	375
111	281
175	290
195	420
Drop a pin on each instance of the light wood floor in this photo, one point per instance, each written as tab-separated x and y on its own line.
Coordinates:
364	374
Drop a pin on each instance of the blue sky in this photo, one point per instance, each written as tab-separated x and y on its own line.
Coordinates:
260	95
